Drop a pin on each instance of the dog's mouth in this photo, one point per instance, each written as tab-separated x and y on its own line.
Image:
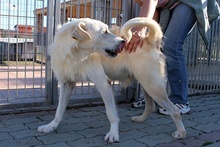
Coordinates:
114	53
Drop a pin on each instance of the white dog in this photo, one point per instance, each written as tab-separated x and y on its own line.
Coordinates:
84	50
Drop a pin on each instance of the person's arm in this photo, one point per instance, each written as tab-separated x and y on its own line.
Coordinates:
148	8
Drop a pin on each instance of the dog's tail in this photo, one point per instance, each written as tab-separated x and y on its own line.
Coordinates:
154	31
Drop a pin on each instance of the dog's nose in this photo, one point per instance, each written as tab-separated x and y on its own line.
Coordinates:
123	41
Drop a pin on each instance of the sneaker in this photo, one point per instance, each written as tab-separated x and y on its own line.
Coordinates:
184	109
139	102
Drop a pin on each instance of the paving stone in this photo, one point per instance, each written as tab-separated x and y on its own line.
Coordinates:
97	141
212	137
155	122
56	138
209	127
129	135
192	132
216	144
5	136
154	140
72	127
192	142
29	114
129	112
13	128
216	112
18	120
205	120
172	144
12	143
132	125
132	143
94	124
30	141
155	130
88	109
80	120
81	114
23	134
189	123
99	118
92	132
47	117
87	126
188	142
199	114
6	117
35	125
59	144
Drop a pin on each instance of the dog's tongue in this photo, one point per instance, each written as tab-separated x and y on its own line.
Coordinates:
120	47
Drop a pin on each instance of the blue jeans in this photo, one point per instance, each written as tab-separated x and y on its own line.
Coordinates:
182	20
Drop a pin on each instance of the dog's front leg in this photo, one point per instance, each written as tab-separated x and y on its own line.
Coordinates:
65	92
107	95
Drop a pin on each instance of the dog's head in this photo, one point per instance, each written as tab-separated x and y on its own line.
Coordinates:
95	36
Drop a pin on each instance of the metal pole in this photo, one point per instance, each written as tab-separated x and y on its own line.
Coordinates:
49	36
57	21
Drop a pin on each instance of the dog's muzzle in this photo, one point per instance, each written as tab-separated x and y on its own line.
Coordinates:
114	52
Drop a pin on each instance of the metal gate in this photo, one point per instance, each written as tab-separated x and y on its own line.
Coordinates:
22	74
28	26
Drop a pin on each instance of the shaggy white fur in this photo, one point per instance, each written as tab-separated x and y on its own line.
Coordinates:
85	49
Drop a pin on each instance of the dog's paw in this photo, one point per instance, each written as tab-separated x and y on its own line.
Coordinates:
137	118
179	135
47	128
111	137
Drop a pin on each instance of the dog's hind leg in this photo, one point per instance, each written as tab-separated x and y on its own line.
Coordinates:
158	92
65	92
149	107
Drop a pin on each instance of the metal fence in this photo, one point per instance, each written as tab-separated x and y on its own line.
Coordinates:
27	27
22	77
203	64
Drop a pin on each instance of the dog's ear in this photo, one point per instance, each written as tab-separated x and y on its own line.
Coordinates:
80	32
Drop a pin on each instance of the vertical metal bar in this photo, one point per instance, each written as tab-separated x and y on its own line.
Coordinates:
85	8
110	12
63	13
57	13
34	48
92	9
8	48
25	48
194	63
49	79
126	6
105	10
40	32
71	12
17	95
215	58
218	52
78	9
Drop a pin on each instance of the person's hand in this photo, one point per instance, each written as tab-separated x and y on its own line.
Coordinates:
136	41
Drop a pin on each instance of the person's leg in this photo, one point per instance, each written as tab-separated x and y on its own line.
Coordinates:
182	21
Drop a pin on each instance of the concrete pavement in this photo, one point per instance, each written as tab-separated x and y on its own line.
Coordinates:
86	126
